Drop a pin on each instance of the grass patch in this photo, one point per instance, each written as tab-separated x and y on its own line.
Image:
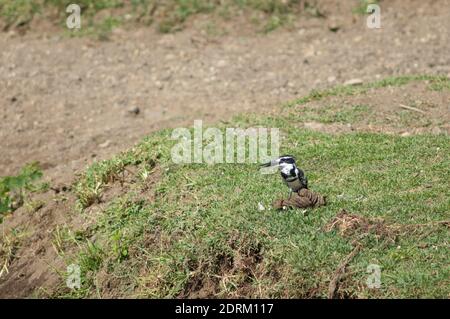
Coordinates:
336	114
14	188
436	83
200	232
100	17
18	13
90	185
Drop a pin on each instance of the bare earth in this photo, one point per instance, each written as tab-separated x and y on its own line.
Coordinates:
66	102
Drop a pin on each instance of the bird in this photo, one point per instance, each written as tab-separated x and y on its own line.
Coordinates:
292	176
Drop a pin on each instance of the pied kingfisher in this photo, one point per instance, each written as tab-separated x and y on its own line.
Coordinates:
292	176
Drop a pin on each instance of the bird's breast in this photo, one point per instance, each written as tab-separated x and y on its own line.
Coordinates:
294	184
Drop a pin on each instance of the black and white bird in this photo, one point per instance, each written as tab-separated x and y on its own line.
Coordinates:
292	176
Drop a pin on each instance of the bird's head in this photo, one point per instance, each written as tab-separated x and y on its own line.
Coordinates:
280	161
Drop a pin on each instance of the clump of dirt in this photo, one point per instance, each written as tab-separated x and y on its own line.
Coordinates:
210	279
304	198
357	227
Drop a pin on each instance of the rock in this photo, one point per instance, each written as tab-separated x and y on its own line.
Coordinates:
331	79
134	110
159	85
405	134
333	26
105	144
354	82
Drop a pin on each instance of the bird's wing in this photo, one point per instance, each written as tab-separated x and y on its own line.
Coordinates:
302	177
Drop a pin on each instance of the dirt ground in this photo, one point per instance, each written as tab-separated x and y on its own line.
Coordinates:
68	101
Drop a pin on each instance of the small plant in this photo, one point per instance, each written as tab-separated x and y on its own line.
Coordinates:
119	246
12	188
91	258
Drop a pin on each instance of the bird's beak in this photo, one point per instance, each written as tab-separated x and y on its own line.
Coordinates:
269	164
269	167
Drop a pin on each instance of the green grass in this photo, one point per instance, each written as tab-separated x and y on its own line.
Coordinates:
336	114
198	231
14	188
100	17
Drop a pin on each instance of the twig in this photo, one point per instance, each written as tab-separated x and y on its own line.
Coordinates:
332	288
412	108
4	268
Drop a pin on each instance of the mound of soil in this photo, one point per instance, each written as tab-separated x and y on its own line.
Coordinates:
66	102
